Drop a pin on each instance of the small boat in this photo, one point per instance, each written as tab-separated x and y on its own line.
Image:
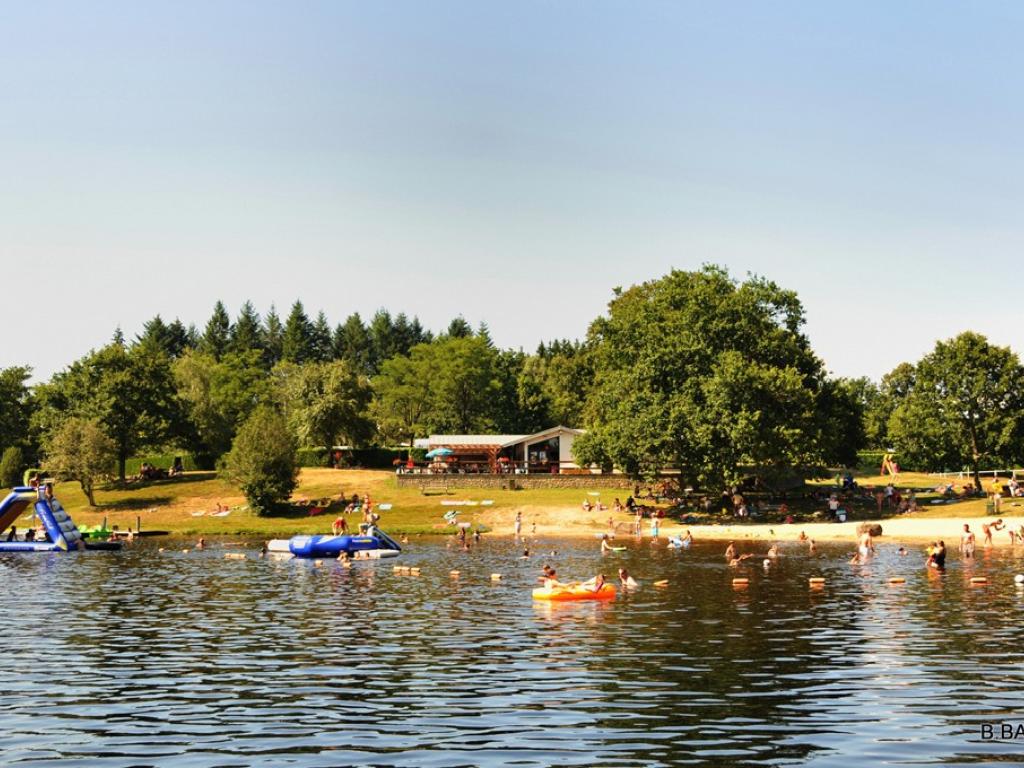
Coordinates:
574	592
371	545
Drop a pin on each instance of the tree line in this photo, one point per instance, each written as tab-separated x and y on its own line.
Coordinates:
695	370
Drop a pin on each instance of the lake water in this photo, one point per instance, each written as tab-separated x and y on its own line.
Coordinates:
143	658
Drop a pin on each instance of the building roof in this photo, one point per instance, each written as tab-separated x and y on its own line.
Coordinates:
500	441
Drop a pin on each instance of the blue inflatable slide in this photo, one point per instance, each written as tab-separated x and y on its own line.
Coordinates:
60	533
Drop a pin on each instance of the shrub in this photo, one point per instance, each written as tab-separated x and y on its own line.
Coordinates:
263	460
11	465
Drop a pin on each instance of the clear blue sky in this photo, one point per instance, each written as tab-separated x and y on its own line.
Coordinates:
511	162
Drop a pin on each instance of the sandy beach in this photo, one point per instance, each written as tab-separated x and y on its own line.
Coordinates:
562	522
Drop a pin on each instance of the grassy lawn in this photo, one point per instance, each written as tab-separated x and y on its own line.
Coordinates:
169	504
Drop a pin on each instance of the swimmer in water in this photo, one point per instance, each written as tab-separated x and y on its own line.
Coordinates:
901	551
773	551
201	544
626	580
606	545
811	548
737	560
865	547
730	551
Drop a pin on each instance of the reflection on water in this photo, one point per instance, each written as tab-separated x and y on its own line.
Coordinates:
146	658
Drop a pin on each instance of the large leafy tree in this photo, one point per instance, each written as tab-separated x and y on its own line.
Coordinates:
80	450
15	406
130	393
706	374
962	406
403	395
449	385
326	403
218	395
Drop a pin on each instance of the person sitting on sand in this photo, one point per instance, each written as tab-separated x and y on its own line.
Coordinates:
967	541
617	505
606	545
730	551
586	505
626	580
737	560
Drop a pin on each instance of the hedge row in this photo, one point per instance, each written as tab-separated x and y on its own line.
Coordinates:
367	458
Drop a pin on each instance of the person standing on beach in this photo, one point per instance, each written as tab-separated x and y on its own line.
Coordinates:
967	541
519	523
987	528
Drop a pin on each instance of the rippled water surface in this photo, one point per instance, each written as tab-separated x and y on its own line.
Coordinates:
148	658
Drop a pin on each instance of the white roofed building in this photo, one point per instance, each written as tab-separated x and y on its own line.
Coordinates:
547	452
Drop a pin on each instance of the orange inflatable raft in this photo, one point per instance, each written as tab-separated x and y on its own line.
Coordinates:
574	592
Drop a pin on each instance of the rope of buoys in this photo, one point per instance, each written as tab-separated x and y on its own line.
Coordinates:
741	582
897	580
414	571
816	581
979	580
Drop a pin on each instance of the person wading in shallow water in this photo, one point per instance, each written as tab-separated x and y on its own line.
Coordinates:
967	541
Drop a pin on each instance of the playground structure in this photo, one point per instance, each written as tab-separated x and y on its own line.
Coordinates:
61	534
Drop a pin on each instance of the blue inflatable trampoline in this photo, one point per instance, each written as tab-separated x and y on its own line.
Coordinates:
372	545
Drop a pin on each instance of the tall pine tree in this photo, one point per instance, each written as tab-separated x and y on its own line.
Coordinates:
297	342
247	334
218	332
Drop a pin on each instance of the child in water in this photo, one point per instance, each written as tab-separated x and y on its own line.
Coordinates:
626	580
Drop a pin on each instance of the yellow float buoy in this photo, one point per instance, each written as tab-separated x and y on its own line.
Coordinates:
740	582
816	581
414	571
897	580
979	580
454	574
495	577
662	583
